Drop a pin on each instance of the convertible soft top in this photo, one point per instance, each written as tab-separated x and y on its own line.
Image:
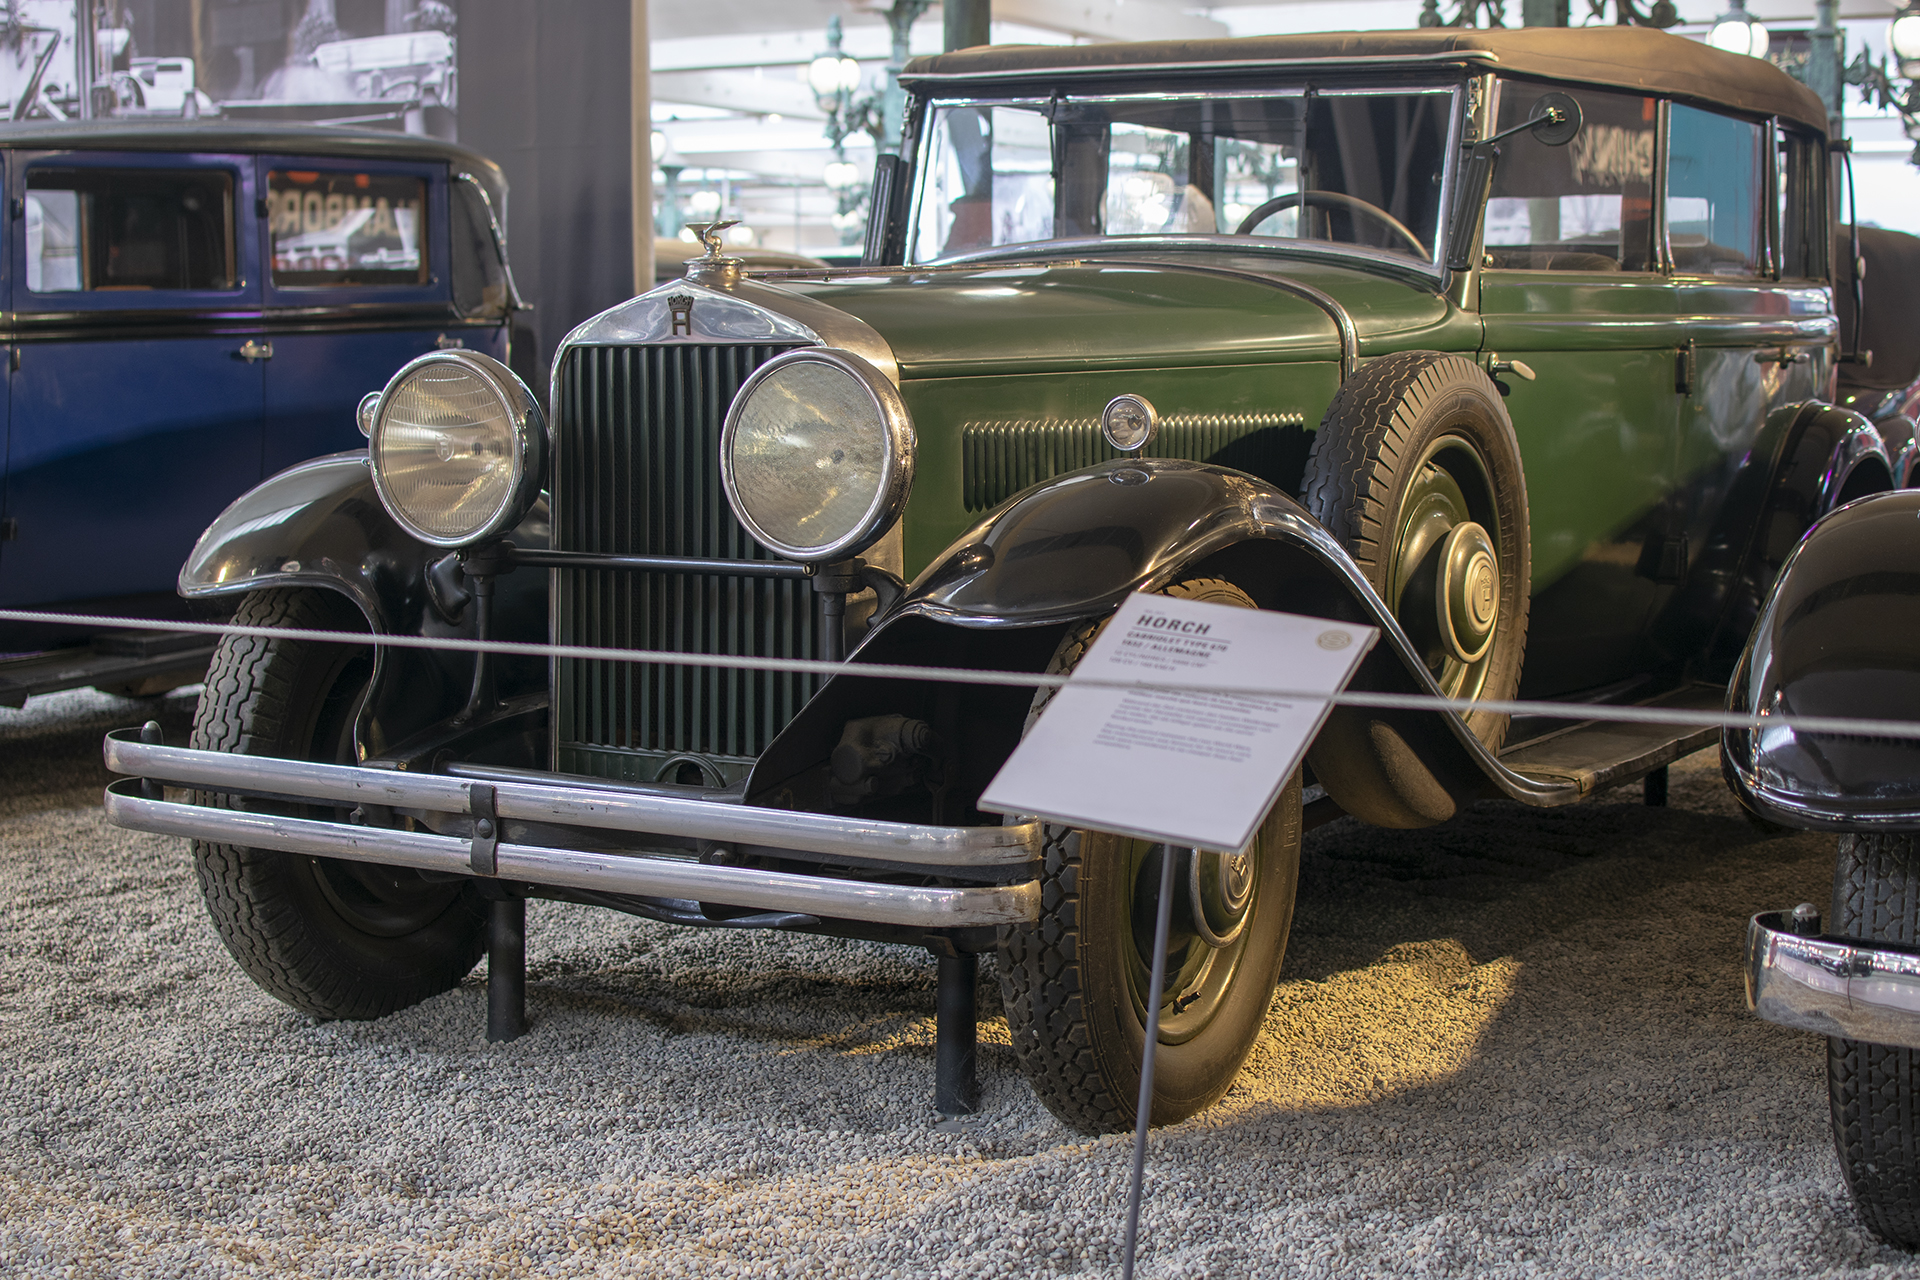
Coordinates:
1633	58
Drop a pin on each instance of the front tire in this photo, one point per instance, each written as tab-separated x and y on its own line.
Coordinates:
1074	983
332	938
1873	1090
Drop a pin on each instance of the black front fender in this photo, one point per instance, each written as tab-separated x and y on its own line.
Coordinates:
1074	548
320	524
1839	635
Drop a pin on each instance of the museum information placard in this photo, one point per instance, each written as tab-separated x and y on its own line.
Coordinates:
1181	764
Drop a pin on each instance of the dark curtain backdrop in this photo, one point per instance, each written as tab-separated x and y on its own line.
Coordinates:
543	91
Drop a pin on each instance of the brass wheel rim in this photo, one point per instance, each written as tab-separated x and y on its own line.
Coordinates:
1212	895
1443	579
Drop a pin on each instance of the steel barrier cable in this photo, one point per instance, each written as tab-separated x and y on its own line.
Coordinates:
1909	729
1693	717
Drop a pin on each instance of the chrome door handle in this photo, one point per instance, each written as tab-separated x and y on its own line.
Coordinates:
251	350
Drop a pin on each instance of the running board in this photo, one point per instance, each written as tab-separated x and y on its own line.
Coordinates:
1597	754
140	663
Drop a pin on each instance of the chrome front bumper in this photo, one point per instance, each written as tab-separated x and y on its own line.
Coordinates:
1834	987
523	814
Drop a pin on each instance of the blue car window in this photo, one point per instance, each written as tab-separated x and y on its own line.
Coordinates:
99	229
336	228
1716	213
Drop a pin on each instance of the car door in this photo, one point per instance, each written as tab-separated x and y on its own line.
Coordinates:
1571	289
136	387
1747	246
358	283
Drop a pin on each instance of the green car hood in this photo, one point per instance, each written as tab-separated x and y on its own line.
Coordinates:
1196	310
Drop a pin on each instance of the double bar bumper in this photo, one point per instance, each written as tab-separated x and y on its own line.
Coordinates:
524	810
1834	987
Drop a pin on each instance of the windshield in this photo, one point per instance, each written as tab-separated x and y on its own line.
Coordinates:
1365	168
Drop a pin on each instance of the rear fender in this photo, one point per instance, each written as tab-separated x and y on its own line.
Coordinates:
1839	635
321	525
1071	550
1807	459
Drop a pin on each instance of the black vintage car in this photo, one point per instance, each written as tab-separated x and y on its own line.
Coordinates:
1517	345
1839	636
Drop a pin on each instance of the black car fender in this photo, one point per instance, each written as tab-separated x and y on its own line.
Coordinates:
1838	635
321	524
1071	550
1807	459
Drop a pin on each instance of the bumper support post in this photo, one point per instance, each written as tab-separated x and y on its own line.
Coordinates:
956	1086
506	967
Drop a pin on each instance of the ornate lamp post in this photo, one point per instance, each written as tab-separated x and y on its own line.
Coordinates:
835	81
1738	31
1895	89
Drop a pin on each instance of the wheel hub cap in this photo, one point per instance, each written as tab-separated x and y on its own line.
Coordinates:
1467	595
1220	890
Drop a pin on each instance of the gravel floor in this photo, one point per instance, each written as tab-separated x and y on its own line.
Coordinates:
1511	1046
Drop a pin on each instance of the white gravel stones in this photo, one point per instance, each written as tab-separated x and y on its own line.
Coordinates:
1513	1046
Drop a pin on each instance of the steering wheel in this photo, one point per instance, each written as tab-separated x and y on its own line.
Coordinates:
1334	200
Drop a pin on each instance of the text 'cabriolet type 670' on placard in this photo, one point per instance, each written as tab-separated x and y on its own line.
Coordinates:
1519	346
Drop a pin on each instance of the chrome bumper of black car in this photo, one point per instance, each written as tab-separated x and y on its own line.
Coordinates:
504	829
1836	987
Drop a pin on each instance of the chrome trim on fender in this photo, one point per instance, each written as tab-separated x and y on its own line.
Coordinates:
581	805
1831	987
923	906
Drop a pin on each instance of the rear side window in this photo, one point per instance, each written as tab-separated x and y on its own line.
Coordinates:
1803	202
103	229
1586	206
1716	183
334	228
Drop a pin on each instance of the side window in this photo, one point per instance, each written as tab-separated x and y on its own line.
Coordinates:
479	277
1803	203
1587	206
333	228
1716	177
100	229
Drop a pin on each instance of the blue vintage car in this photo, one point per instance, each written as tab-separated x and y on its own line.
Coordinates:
188	309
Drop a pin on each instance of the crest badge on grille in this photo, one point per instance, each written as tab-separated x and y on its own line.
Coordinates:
681	305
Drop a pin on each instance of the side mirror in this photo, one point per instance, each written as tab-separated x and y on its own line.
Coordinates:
1556	119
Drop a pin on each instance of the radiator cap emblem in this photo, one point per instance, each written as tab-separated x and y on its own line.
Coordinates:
713	267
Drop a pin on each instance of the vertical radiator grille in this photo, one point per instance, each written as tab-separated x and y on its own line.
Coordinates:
637	472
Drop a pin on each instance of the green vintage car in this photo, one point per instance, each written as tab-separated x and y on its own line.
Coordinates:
1518	345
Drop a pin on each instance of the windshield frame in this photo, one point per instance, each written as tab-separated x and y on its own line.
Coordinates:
1432	269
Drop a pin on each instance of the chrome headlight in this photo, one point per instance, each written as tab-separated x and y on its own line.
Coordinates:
817	454
459	446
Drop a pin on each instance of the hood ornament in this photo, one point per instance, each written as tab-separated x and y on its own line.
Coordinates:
714	267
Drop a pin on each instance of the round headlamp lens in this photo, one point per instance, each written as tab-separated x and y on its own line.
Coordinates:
448	450
814	459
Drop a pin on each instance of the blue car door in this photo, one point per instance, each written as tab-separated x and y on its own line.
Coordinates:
357	284
137	382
